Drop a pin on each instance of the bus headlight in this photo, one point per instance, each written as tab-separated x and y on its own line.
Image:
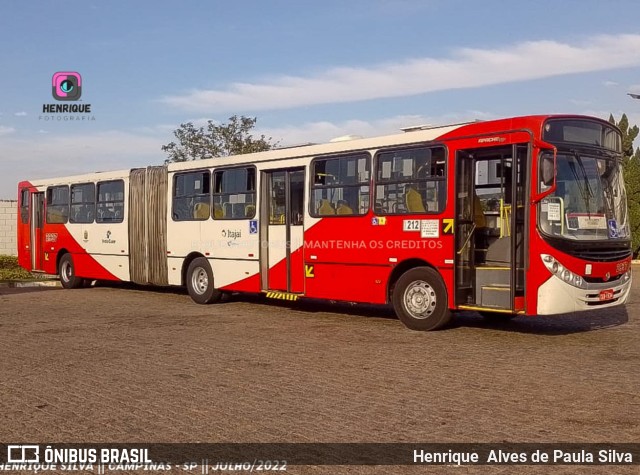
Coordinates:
563	273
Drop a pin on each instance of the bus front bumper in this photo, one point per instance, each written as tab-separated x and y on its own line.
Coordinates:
556	296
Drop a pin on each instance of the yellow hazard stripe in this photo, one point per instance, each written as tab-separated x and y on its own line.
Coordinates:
281	296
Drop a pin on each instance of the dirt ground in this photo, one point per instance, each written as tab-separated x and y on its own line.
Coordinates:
111	364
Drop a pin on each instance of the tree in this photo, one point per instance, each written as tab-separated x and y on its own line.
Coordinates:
212	140
631	169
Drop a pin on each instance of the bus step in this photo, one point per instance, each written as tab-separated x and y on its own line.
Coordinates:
495	296
273	294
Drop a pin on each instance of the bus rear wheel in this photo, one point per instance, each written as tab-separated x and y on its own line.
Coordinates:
200	282
420	299
68	277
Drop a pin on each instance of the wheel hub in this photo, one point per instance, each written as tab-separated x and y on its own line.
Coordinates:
420	299
66	272
200	280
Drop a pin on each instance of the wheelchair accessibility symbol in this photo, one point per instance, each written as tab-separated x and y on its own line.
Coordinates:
613	229
253	226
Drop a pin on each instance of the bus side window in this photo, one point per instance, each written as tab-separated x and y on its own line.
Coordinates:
410	181
24	205
57	204
83	203
340	185
110	202
192	196
234	193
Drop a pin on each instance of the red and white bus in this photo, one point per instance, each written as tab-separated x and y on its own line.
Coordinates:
524	215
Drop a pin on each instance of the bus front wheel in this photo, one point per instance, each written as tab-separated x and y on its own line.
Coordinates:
200	282
68	277
420	299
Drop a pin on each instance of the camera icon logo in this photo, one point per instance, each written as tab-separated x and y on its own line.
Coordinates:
23	453
67	86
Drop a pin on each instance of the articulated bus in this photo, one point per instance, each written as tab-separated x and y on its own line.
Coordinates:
518	216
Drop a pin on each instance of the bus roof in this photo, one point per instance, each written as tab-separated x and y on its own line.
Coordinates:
410	136
321	149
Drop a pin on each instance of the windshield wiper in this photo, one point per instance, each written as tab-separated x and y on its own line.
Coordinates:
587	185
583	192
607	182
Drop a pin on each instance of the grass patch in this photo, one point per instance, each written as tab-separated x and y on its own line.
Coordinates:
10	270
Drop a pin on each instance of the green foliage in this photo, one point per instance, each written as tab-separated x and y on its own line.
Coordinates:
632	183
10	270
233	138
631	167
629	134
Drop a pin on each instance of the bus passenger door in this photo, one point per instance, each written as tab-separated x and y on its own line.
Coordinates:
491	228
36	232
464	230
519	225
281	231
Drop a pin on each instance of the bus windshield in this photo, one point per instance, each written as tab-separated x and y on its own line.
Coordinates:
589	202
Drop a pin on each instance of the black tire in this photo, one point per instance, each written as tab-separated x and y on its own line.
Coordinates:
68	277
496	316
200	282
420	299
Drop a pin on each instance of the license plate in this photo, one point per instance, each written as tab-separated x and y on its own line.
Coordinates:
606	295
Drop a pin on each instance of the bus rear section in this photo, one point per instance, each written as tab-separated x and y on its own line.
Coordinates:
75	227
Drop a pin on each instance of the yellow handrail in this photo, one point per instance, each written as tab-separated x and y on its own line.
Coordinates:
505	219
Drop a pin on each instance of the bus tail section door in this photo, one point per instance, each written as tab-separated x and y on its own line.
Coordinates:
24	229
281	230
36	231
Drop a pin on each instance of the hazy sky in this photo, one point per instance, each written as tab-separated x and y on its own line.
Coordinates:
308	70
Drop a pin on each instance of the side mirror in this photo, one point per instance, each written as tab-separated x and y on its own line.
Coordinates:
546	172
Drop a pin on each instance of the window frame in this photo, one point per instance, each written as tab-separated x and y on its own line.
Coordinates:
547	136
173	193
254	192
121	219
47	204
376	160
24	207
312	187
83	202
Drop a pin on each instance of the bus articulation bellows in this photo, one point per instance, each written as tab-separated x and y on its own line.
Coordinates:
524	215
